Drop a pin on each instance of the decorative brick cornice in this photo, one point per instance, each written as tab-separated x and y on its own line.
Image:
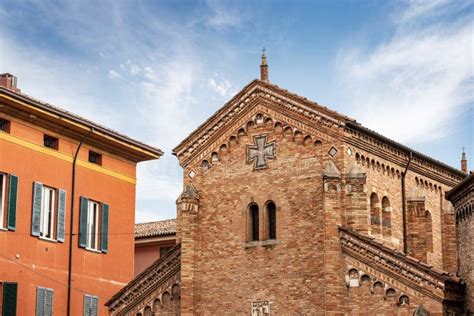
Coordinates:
149	280
385	148
415	274
269	94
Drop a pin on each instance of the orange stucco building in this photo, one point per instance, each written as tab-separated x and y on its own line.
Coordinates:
37	146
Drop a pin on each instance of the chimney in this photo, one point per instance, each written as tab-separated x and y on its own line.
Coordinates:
264	67
8	81
463	161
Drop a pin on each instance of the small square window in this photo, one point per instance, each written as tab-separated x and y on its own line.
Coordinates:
51	142
4	125
95	157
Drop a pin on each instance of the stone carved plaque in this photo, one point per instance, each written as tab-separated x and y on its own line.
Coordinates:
260	152
261	308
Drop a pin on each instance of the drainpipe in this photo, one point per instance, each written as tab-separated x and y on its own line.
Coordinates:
404	206
71	224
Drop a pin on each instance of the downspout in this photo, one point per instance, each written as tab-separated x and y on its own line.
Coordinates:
71	224
404	206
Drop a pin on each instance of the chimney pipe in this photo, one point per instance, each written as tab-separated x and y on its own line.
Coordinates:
9	82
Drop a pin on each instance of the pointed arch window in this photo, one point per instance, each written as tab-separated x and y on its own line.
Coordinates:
271	220
254	222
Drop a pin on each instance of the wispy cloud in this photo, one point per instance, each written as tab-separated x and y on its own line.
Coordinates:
413	85
221	86
224	15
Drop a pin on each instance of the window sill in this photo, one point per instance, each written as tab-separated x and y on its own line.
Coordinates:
48	239
264	243
269	242
93	250
4	229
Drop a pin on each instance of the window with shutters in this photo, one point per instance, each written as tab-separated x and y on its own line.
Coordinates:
44	301
8	201
49	211
3	213
8	298
4	125
91	305
93	225
50	142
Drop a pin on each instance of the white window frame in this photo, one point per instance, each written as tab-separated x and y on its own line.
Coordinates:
3	193
48	223
93	230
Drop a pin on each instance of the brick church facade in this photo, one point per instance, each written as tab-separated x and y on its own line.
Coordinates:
291	208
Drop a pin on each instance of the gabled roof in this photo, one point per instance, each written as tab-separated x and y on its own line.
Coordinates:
217	119
206	132
155	229
77	123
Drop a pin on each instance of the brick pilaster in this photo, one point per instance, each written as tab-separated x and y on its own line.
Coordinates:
334	296
416	224
187	209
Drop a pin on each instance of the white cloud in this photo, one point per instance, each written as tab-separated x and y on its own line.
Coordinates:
114	75
221	86
412	86
223	15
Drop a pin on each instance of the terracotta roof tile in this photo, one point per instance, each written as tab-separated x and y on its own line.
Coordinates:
154	229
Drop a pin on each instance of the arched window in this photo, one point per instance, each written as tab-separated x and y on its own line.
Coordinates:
271	219
386	217
148	311
374	214
253	221
429	232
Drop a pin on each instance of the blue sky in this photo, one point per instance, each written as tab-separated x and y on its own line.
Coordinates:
155	70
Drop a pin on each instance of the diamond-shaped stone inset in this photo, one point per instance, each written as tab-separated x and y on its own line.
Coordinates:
192	174
332	152
260	152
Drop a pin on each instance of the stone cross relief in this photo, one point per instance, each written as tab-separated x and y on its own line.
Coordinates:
261	152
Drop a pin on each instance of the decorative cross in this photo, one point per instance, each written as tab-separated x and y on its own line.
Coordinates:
260	152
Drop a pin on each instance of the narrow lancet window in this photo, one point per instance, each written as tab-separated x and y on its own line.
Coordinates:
271	215
254	221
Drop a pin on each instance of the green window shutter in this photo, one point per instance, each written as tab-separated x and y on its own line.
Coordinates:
48	302
94	306
36	208
40	296
10	291
87	305
61	215
12	202
83	222
104	229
